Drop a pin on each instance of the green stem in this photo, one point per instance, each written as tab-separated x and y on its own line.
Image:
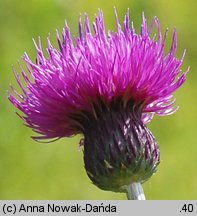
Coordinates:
135	192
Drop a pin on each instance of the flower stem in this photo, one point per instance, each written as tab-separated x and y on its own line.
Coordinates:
135	192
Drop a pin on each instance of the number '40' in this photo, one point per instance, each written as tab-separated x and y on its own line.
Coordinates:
188	208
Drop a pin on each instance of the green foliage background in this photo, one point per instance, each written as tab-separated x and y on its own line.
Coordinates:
31	170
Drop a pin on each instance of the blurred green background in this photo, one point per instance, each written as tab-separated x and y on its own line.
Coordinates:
31	170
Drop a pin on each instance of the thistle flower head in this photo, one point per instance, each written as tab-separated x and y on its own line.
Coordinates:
106	86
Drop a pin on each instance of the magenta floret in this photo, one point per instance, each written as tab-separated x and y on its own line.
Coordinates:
97	65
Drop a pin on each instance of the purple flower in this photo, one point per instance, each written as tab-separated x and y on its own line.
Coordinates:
106	86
